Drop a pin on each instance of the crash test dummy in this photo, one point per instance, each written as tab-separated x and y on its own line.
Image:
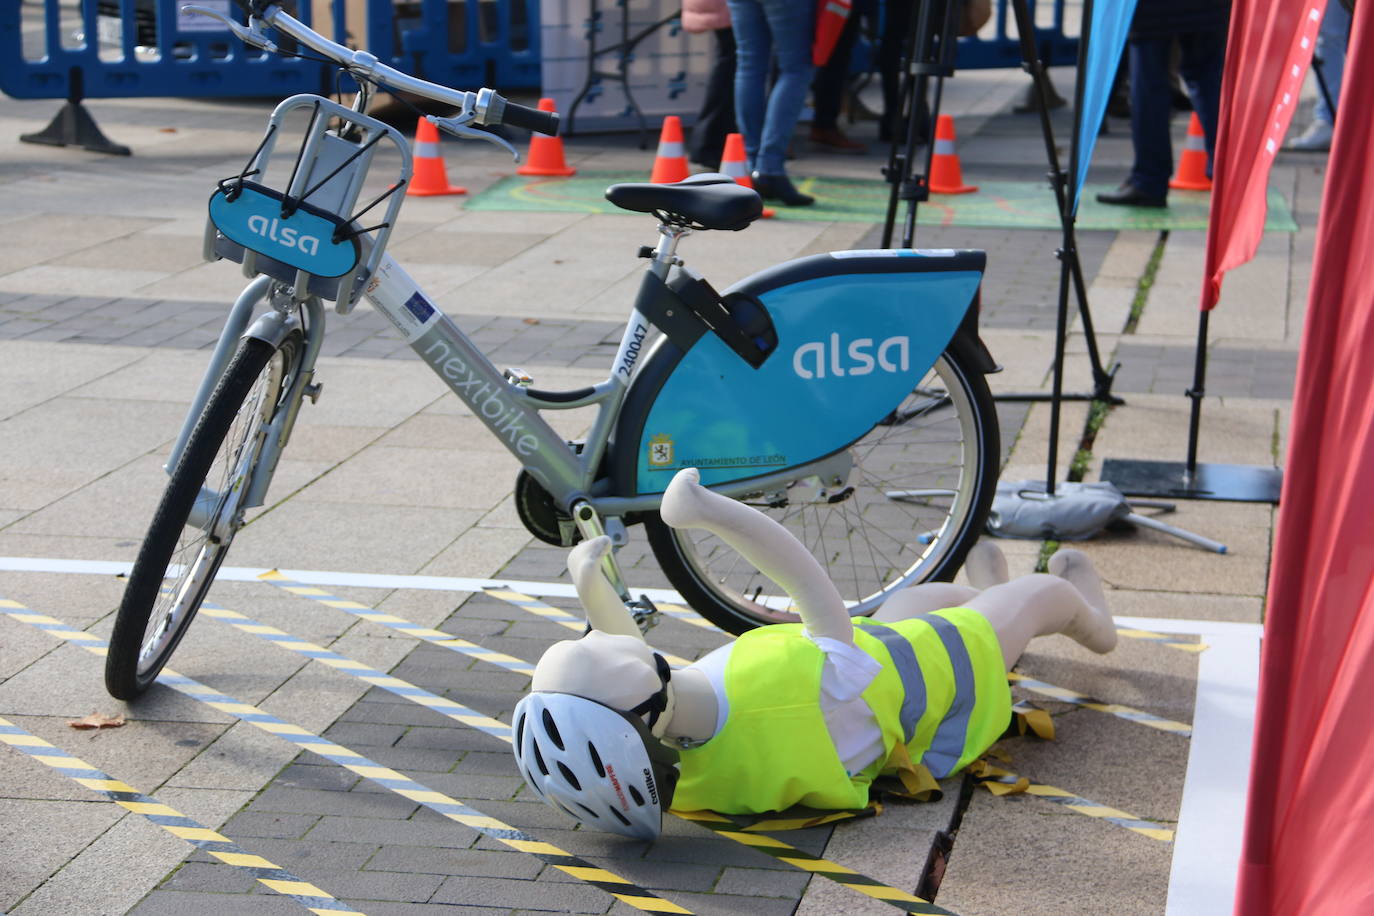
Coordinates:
807	713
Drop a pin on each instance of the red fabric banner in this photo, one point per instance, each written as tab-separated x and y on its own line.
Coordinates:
1309	836
1268	51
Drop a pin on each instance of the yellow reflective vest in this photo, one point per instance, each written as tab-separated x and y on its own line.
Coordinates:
942	695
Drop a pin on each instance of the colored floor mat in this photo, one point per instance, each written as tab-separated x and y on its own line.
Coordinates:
997	204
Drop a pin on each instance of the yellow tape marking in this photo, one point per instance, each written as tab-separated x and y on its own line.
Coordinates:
303	888
104	785
534	846
823	865
25	740
422	795
196	833
484	821
148	808
591	873
754	839
654	904
246	859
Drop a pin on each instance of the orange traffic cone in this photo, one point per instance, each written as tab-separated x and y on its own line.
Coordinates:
546	153
1192	165
429	179
670	164
734	164
946	176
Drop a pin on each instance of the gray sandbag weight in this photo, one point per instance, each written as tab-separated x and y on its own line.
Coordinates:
1076	512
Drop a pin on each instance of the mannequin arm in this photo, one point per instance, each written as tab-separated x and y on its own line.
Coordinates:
605	611
766	544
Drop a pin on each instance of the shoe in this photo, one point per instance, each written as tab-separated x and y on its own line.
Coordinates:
1316	139
780	187
835	139
1128	195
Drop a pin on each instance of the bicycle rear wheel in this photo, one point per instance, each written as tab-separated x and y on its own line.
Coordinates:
200	512
904	505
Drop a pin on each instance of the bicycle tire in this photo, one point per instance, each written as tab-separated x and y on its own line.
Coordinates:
940	449
223	448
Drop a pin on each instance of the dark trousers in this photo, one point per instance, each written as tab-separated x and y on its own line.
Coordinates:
827	88
1200	65
717	117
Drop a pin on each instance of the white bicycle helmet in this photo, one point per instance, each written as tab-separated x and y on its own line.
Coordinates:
595	763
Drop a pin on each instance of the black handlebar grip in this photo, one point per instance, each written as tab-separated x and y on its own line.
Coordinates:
535	119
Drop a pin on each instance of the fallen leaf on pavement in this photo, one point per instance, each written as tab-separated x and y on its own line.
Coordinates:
96	720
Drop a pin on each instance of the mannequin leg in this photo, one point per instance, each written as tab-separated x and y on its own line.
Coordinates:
985	567
1071	602
924	598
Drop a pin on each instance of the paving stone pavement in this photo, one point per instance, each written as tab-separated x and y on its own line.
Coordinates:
389	475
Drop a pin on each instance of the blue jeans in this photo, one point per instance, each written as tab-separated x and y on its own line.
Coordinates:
1331	39
1200	65
767	118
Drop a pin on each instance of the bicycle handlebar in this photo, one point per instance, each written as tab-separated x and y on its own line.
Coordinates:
488	107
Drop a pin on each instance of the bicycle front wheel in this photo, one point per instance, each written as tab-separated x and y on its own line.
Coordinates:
902	505
200	512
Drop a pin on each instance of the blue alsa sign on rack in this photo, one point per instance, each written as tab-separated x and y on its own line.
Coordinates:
303	237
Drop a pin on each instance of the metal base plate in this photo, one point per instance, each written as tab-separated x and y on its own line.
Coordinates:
1226	482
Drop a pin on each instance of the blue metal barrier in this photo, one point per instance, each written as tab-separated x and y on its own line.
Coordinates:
125	48
1004	49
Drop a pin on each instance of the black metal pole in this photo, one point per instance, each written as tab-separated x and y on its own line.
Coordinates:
1196	393
925	56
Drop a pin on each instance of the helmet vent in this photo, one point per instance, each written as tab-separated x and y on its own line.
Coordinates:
568	775
520	730
588	810
552	729
539	760
622	818
634	793
596	760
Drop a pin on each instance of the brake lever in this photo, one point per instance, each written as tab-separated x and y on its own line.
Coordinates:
458	126
249	36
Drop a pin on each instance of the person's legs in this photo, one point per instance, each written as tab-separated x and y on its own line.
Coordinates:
827	92
1150	110
1331	41
1201	66
717	117
791	25
753	49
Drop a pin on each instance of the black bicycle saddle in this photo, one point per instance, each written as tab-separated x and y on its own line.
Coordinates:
707	201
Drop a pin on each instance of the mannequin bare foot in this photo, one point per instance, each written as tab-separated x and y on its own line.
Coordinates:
1094	629
986	565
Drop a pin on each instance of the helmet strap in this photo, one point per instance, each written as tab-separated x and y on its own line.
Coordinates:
659	702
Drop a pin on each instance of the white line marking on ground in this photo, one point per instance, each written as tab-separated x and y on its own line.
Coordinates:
1211	819
1167	625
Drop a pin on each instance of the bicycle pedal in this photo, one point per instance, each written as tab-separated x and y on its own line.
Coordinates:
646	615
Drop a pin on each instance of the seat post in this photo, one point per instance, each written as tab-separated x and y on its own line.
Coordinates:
665	255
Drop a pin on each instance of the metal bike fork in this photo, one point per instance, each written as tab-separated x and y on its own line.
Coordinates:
272	328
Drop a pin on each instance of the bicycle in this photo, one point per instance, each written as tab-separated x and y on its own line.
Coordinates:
891	489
